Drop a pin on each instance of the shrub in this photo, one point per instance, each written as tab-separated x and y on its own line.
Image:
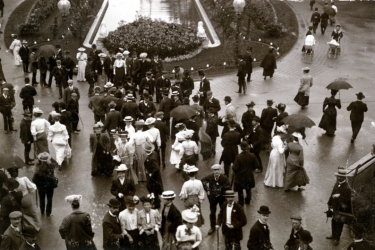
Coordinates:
146	35
273	30
260	12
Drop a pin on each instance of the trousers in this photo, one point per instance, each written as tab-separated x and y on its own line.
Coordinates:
8	121
213	206
43	194
241	197
26	152
356	127
241	84
337	227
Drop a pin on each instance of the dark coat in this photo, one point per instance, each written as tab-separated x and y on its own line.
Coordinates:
156	67
6	104
243	167
148	110
241	69
59	73
162	83
10	87
10	203
267	119
173	217
106	100
212	128
214	103
135	67
27	95
69	63
293	241
33	62
259	238
127	189
77	232
44	177
96	105
73	106
249	63
147	84
144	67
187	86
215	189
42	64
226	128
193	126
25	133
68	93
163	129
204	86
357	108
112	233
246	120
269	61
130	109
112	121
24	52
105	65
12	240
165	106
230	143
343	202
94	54
26	246
238	220
279	119
256	139
154	180
66	119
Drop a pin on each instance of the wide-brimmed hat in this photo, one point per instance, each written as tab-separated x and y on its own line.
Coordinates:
126	52
305	237
37	110
190	168
24	41
170	194
113	203
189	216
15	214
229	193
360	95
150	121
29	231
256	118
140	123
264	210
250	104
73	197
269	102
128	119
342	172
121	168
297	135
189	133
228	98
45	156
12	184
143	55
102	55
148	147
296	217
108	85
216	167
244	145
119	55
131	200
81	49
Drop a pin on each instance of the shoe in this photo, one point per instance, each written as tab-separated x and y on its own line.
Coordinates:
258	171
336	242
48	215
211	231
352	140
329	238
264	78
238	92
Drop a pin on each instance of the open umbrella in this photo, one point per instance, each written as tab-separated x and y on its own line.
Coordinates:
183	112
339	84
206	145
298	121
9	160
329	10
46	50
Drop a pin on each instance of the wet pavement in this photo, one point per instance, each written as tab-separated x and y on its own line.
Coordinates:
322	154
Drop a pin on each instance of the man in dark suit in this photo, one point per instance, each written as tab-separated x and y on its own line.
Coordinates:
66	119
357	108
96	106
24	54
162	82
356	231
130	108
135	67
59	54
259	237
27	95
147	83
69	90
104	66
231	227
59	72
212	129
73	107
128	62
204	86
215	186
267	121
122	186
145	65
249	63
243	167
13	238
33	65
199	109
94	54
211	102
165	106
282	114
113	119
230	143
164	134
247	118
293	241
241	74
339	202
170	216
146	108
191	124
69	65
187	84
110	97
256	139
6	105
29	233
112	233
26	137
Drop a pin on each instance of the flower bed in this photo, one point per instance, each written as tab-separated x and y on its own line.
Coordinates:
38	15
146	35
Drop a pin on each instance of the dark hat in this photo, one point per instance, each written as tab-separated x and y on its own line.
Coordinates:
128	78
357	228
256	118
269	102
334	91
187	72
112	104
244	145
147	198
186	100
228	98
195	98
229	193
62	105
305	237
250	104
201	72
113	203
264	210
232	123
118	94
15	215
27	80
360	95
148	73
146	96
281	106
250	48
29	231
240	56
12	184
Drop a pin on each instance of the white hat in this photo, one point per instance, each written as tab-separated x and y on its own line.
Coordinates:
216	167
108	85
121	168
102	55
81	49
117	158
73	197
168	194
143	55
118	55
70	81
175	92
98	125
126	52
296	134
190	168
37	110
150	121
189	216
281	129
128	119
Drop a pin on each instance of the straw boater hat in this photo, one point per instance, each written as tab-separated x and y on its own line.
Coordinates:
81	49
37	110
123	134
216	167
148	147
44	156
112	104
264	210
118	55
130	96
128	119
190	168
102	55
73	198
121	168
150	121
175	93
168	194
342	172
108	85
189	216
98	125
126	52
229	193
143	55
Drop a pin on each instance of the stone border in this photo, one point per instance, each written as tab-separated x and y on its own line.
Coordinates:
96	24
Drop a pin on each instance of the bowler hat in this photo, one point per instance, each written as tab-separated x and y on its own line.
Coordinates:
244	145
15	215
232	123
250	104
45	156
113	203
148	73
201	72
281	106
269	102
229	193
195	98
305	237
264	210
97	89
186	100
360	95
29	231
112	104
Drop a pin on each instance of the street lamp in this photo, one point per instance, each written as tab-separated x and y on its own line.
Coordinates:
64	6
238	8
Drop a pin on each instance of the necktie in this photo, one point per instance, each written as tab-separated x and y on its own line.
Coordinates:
188	231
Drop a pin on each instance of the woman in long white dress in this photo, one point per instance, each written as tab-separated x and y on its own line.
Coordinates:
176	152
276	164
82	61
58	135
15	48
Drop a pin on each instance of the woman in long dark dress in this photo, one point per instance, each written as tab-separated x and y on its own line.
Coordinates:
119	70
269	64
328	121
295	173
100	145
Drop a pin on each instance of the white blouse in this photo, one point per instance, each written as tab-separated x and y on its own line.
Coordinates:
192	187
39	125
195	234
128	220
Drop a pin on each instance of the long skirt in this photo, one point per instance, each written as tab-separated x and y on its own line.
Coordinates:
17	57
328	123
149	241
134	234
301	99
275	170
81	71
140	167
119	78
31	214
175	157
62	151
41	143
189	202
268	72
295	176
101	80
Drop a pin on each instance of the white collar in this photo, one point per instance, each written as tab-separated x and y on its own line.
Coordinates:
111	214
261	222
229	104
359	240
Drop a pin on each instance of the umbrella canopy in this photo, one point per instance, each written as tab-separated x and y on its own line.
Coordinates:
183	112
46	50
206	145
9	160
298	121
329	10
337	85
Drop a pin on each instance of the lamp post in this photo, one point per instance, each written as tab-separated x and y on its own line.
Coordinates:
238	8
64	7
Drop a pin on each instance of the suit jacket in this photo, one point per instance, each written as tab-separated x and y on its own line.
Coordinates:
279	118
112	233
130	109
135	67
243	167
215	189
148	110
26	246
343	202
144	67
69	63
214	103
68	93
6	104
25	133
246	121
241	69
238	220
104	65
112	121
357	108
96	105
173	217
226	128
187	85
128	188
59	73
163	129
204	86
106	100
147	84
267	119
66	119
212	128
259	238
256	138
12	240
162	83
293	241
73	106
230	143
166	105
24	53
27	95
199	119
154	180
157	67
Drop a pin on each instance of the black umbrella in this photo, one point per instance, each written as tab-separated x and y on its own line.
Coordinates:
329	10
183	112
298	121
339	84
10	160
46	50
